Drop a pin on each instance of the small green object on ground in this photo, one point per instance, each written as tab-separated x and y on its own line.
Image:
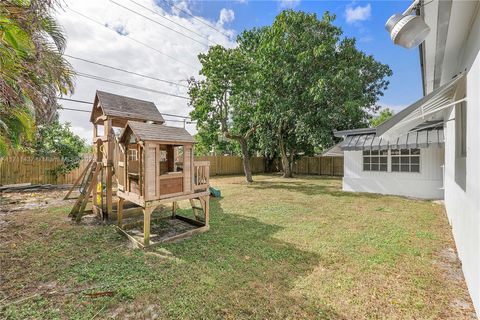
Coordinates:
215	192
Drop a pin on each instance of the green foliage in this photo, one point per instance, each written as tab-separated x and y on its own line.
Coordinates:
287	87
16	129
223	102
313	81
57	140
32	69
208	142
383	116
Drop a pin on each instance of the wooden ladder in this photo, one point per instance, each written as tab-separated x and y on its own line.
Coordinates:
86	189
80	180
198	211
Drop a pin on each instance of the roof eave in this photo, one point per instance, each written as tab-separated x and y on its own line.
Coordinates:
95	103
397	118
351	132
124	132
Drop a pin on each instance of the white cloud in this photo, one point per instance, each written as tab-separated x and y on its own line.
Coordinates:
359	13
93	42
289	3
226	16
179	7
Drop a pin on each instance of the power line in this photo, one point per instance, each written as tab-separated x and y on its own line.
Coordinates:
74	100
73	109
87	111
90	103
172	21
126	71
160	24
191	15
180	25
99	78
131	38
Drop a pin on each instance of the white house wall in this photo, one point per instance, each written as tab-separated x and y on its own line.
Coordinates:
463	206
426	185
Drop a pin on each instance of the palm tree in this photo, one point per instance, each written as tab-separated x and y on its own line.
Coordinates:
32	68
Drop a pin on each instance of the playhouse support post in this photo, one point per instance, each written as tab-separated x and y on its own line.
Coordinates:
174	209
109	173
147	216
120	212
207	210
109	192
205	202
95	195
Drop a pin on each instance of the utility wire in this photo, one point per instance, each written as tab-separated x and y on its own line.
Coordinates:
126	71
172	21
87	111
160	24
99	78
131	38
89	102
191	15
73	109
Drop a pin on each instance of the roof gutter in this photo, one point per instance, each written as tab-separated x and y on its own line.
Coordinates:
353	132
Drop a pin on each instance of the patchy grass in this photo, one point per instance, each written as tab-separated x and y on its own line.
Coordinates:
277	249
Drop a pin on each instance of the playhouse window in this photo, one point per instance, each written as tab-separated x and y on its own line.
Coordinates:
405	160
163	156
132	155
178	165
375	160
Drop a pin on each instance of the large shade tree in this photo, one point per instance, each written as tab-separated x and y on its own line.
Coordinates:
286	87
32	69
223	101
312	81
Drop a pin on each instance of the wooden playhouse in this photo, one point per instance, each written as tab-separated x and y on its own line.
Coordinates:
147	163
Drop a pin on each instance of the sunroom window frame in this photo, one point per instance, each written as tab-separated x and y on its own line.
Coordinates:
408	156
379	155
390	163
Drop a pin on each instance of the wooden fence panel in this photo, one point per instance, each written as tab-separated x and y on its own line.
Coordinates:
40	170
257	164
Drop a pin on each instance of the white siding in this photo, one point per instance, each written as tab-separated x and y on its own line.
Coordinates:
427	184
462	206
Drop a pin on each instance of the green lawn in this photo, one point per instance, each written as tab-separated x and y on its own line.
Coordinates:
277	249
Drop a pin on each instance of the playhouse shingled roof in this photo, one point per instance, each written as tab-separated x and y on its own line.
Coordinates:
157	132
114	105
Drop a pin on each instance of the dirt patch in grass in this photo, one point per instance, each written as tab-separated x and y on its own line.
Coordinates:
162	229
277	249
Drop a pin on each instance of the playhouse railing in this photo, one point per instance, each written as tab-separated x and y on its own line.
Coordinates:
201	175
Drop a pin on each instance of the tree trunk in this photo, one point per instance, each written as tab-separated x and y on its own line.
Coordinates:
287	169
244	148
246	160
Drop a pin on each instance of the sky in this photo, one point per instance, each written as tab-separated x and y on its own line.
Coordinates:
154	38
